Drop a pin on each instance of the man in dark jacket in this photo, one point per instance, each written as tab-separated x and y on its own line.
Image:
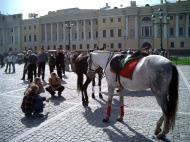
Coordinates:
42	58
32	65
60	62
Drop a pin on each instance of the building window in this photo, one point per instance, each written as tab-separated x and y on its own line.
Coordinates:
119	32
146	31
88	46
35	48
35	39
171	32
111	20
24	28
104	33
75	35
24	38
30	39
171	17
95	46
189	31
80	46
111	45
96	34
103	20
111	33
119	45
74	47
82	35
182	44
29	27
181	33
48	47
34	26
181	17
54	47
172	44
104	46
119	19
89	34
96	22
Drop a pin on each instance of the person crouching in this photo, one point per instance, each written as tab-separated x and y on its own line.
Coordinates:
55	85
32	102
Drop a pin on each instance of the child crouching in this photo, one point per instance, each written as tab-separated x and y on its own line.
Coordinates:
32	102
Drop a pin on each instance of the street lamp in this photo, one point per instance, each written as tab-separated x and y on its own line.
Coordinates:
69	26
158	18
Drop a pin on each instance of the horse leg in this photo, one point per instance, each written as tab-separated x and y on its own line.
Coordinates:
165	130
109	103
121	100
83	99
93	84
158	125
87	82
99	84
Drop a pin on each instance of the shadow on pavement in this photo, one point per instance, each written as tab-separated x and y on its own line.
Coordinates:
111	129
33	121
57	100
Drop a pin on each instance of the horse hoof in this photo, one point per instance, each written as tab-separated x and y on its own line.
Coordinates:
157	131
120	119
100	96
160	136
83	103
105	120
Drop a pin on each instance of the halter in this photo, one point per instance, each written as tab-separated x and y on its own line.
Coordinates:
91	62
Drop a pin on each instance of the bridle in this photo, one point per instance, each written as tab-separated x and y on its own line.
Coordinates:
90	63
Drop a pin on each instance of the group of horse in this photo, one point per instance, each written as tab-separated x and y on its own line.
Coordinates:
153	72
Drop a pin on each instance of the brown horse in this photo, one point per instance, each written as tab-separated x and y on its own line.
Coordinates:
80	67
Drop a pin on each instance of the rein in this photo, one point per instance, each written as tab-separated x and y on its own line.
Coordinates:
109	59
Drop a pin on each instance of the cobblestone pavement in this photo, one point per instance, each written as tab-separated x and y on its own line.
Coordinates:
66	119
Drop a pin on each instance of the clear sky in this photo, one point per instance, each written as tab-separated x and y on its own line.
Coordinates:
41	7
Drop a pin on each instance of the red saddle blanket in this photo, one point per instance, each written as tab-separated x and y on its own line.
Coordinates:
128	69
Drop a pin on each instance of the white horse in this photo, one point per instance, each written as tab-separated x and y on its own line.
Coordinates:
153	72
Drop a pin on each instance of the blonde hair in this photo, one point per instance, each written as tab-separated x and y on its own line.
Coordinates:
33	88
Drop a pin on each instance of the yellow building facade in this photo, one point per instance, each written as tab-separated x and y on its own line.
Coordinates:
112	29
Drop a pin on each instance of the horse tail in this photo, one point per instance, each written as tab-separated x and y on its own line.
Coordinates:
79	81
172	100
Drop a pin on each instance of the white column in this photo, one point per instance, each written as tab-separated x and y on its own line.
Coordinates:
64	30
18	35
187	25
177	26
13	36
165	27
57	32
84	29
51	32
91	28
45	32
136	28
127	28
71	34
77	30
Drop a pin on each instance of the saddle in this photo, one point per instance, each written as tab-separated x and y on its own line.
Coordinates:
123	65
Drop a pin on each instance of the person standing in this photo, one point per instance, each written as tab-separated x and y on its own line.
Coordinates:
60	63
25	66
42	58
14	59
8	64
32	64
51	62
